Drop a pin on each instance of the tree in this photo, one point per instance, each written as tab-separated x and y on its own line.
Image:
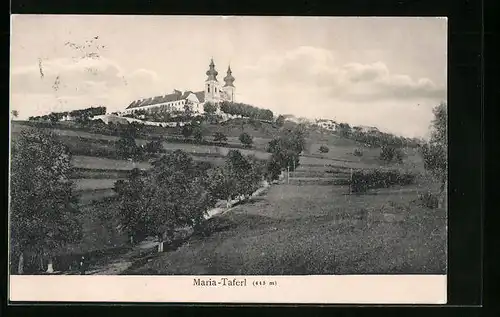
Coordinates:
210	108
198	134
168	196
53	117
324	149
435	152
14	113
344	129
220	137
154	146
239	176
126	147
285	151
280	121
43	212
390	153
187	131
246	139
226	107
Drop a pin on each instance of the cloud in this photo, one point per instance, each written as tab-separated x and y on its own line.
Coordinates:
350	82
72	83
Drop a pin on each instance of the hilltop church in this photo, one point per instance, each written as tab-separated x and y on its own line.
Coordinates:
176	101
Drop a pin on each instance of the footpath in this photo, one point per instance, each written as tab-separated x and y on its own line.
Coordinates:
142	252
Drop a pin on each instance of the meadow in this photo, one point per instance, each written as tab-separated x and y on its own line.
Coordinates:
313	229
299	228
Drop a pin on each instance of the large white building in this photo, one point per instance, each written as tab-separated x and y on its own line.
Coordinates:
214	92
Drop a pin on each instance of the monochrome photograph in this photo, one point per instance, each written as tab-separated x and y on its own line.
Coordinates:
227	146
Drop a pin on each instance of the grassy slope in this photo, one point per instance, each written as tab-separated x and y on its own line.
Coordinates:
315	230
96	181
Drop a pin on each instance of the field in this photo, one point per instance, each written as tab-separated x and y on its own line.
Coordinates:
316	230
299	228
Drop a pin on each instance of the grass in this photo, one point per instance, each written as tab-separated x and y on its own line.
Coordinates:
94	184
315	230
99	163
78	173
295	229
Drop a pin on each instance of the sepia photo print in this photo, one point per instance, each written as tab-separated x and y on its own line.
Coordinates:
215	151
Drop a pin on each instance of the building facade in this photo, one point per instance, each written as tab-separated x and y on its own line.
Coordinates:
179	101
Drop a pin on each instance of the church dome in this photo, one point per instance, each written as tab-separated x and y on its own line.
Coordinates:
229	79
211	72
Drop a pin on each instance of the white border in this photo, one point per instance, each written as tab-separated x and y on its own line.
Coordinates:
313	289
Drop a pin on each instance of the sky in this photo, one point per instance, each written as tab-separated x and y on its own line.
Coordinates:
383	72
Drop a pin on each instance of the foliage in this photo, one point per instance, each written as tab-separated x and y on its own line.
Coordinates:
280	121
344	129
324	149
435	151
187	131
357	152
14	113
363	180
210	108
429	200
246	139
198	134
154	146
126	148
285	151
220	137
390	154
43	212
81	116
168	196
244	110
239	176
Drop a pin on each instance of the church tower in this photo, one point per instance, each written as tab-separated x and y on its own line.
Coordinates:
229	86
212	88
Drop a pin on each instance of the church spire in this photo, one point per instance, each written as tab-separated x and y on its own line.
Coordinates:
229	79
211	72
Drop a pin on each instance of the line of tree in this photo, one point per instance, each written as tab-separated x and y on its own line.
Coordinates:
244	110
81	115
176	192
375	138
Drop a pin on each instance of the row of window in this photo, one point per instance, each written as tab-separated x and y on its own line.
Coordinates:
208	89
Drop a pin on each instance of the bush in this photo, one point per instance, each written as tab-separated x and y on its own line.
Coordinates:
429	200
220	137
357	152
154	146
324	149
390	154
246	139
363	180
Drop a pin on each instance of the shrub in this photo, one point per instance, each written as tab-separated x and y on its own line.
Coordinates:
429	200
198	134
246	139
390	154
324	149
357	152
220	137
363	180
154	146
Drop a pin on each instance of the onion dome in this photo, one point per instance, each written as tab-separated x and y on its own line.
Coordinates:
212	73
229	79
